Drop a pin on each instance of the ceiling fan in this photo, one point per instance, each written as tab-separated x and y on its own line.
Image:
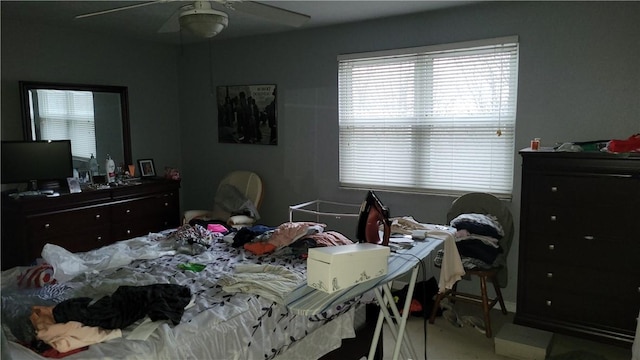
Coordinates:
202	20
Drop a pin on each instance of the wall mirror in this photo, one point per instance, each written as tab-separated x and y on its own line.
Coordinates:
94	117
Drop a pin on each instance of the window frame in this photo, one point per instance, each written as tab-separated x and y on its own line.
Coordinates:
428	53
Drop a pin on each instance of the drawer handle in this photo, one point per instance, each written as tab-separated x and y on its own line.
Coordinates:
99	238
553	218
128	232
128	211
549	275
552	247
166	204
589	237
554	189
46	226
98	217
548	302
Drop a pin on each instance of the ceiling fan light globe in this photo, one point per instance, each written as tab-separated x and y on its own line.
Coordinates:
204	24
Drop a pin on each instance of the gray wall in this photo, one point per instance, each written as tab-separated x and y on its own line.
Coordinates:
579	80
44	53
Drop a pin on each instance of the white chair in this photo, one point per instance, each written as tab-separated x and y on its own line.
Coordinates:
248	184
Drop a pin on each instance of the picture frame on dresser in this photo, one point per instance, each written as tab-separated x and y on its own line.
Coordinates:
74	185
147	168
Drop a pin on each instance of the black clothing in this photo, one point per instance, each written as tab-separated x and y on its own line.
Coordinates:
126	305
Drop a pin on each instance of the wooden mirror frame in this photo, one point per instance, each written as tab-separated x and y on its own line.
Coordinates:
26	86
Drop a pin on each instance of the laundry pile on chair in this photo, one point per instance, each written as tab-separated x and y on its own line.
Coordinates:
477	239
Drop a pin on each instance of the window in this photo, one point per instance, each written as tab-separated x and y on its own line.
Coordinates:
437	119
66	115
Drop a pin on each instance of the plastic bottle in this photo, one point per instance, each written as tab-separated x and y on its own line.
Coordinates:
93	165
110	168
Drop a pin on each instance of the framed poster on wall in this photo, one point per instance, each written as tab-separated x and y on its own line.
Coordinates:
247	114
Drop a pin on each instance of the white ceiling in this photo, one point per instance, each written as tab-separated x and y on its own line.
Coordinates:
144	22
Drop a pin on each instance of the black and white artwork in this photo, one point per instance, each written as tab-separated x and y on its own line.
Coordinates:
247	114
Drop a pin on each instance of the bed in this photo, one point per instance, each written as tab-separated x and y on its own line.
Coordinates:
223	320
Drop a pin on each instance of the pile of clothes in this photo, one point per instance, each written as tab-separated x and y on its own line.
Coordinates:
74	324
293	237
477	240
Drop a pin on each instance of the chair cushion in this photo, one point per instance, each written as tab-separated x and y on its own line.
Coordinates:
240	220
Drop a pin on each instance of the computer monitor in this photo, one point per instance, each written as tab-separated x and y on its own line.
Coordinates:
373	214
35	161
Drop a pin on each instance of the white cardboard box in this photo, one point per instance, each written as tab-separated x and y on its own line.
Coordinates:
521	342
334	268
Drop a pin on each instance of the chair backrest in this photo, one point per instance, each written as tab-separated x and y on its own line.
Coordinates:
483	203
248	183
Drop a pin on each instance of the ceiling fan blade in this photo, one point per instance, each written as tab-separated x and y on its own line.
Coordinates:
172	24
120	9
271	13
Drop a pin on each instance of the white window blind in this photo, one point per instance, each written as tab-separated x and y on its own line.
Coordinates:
437	119
69	115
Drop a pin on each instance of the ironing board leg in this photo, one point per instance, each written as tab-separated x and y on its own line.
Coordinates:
385	297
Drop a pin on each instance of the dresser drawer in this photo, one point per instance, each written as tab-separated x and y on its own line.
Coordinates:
81	240
594	222
127	230
583	281
585	189
619	254
47	225
145	207
604	312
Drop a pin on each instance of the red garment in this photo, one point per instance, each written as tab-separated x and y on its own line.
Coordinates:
260	248
632	144
415	307
55	354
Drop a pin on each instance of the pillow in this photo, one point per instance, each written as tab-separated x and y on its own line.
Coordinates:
479	224
240	220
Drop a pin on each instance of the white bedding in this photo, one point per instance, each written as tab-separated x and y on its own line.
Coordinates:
220	324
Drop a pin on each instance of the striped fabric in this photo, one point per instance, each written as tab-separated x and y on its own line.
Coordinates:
307	301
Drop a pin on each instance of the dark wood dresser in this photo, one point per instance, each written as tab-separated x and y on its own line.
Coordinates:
86	220
579	260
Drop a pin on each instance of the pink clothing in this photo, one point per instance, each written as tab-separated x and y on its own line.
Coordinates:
330	238
217	228
289	232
